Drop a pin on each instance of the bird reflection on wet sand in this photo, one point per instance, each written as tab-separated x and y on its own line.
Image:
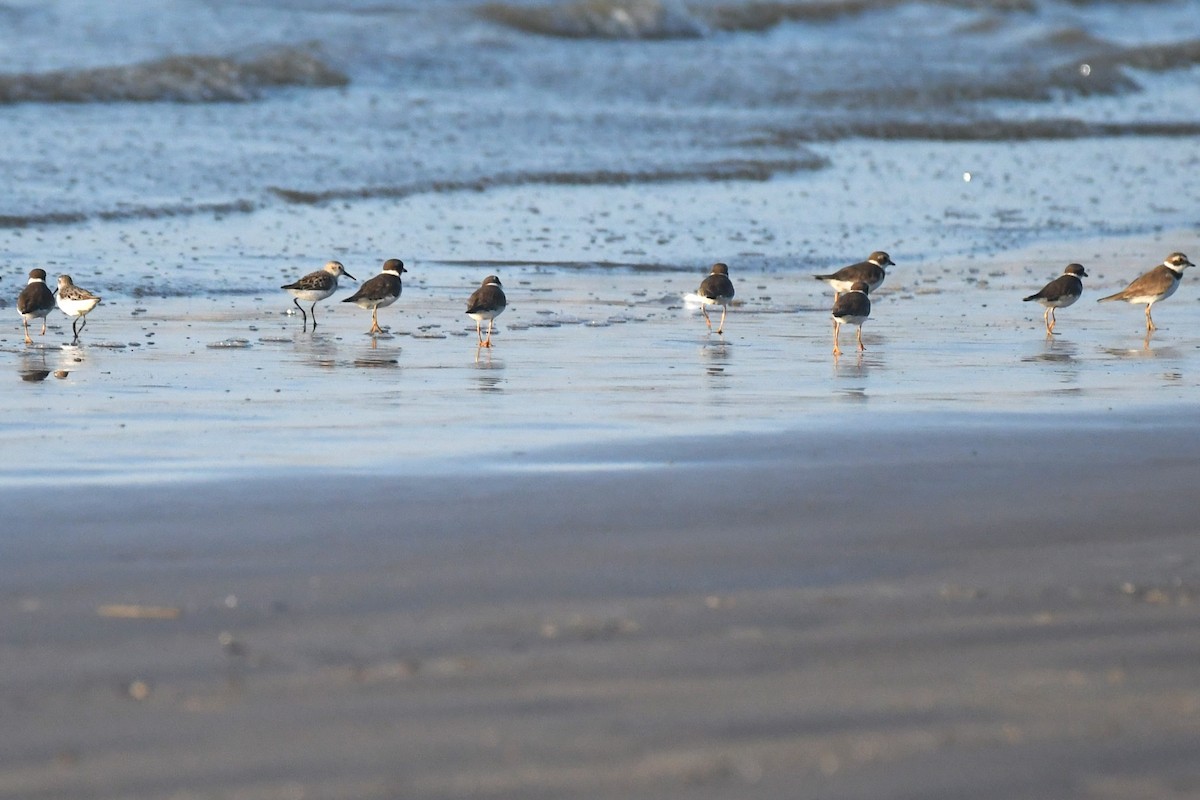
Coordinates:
488	371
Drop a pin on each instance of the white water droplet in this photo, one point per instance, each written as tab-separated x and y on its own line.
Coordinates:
966	177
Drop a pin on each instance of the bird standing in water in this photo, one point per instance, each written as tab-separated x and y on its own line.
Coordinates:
380	291
316	286
851	308
1060	293
486	302
716	290
35	300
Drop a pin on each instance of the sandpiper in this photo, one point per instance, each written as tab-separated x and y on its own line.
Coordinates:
1157	284
380	291
870	272
316	286
75	301
851	308
1060	293
486	302
35	300
716	290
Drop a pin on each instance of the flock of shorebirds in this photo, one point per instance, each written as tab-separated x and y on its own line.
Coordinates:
851	285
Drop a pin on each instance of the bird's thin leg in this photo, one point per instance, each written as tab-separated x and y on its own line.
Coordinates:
488	343
27	339
707	321
1150	326
43	326
721	324
860	344
375	321
313	312
836	330
303	314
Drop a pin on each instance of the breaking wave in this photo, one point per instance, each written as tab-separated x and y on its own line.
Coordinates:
177	79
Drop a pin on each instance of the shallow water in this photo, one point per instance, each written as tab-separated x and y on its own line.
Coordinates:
599	157
219	105
222	382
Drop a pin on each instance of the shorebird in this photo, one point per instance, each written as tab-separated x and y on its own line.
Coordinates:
870	272
380	291
716	290
851	308
75	301
1157	284
35	300
316	286
1060	293
486	302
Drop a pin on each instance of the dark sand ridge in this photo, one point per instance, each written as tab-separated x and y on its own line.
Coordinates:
1005	607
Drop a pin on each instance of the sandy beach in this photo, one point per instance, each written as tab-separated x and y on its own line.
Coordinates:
999	607
615	555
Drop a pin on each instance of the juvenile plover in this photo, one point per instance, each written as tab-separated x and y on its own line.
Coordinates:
1157	284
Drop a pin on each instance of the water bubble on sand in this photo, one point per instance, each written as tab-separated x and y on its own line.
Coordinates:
1085	69
966	177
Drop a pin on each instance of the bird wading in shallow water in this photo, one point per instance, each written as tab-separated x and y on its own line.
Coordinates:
1157	284
380	291
316	286
716	290
851	308
35	300
486	302
75	301
1060	293
870	272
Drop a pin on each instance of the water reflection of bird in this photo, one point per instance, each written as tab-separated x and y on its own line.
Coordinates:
1059	293
1157	284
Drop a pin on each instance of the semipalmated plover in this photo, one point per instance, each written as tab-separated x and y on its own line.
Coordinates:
871	272
380	291
75	301
35	300
1060	293
851	308
1157	284
716	290
486	302
316	286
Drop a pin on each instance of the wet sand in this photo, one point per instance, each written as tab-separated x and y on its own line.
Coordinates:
615	555
987	607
